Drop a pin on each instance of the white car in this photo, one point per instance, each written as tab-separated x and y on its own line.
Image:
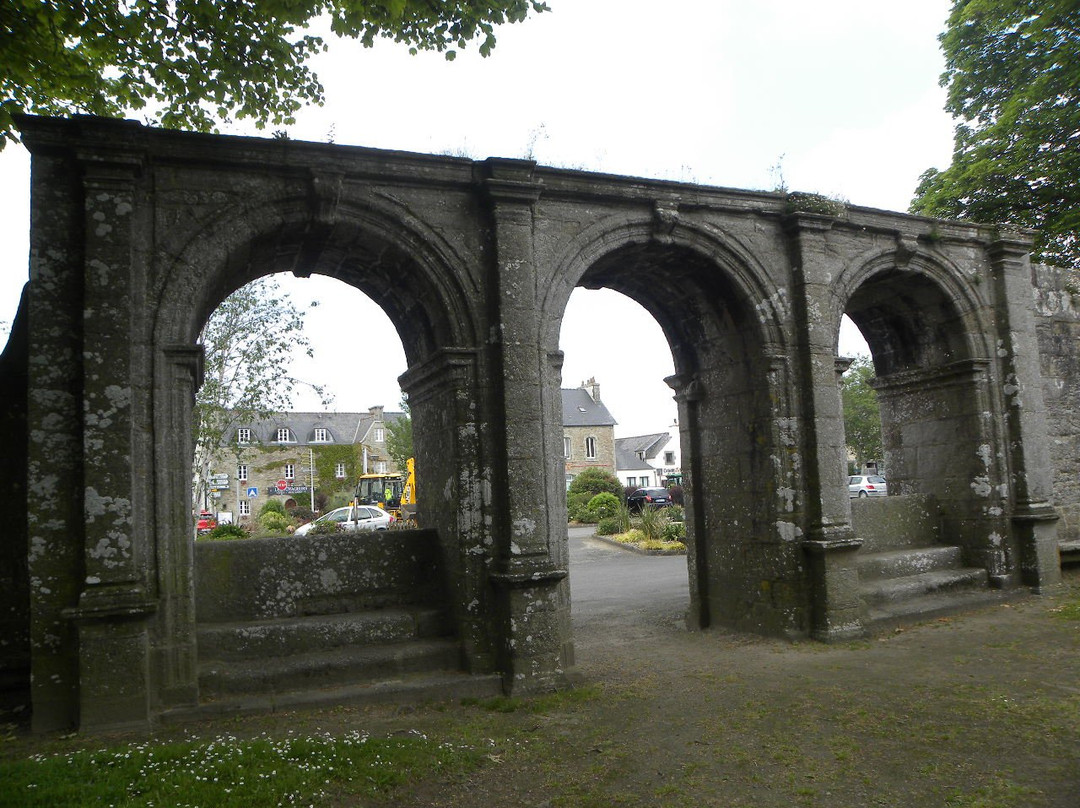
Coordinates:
351	518
867	485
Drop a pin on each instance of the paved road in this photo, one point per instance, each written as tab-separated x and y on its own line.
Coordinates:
618	592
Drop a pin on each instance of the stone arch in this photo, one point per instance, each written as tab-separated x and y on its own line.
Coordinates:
932	350
723	319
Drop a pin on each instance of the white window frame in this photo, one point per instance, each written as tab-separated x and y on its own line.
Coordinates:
590	448
283	435
339	471
290	471
243	435
380	467
566	444
242	472
322	434
245	507
380	435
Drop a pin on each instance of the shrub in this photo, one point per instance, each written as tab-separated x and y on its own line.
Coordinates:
595	481
609	526
225	533
576	505
652	522
676	513
603	505
272	505
673	531
676	492
274	522
323	529
301	514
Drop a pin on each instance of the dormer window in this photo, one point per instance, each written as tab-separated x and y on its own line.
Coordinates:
322	435
380	435
283	435
243	435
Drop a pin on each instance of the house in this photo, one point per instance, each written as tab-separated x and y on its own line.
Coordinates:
644	461
296	456
588	431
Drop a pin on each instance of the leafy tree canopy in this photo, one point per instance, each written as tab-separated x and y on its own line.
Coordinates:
399	436
194	62
862	415
595	481
1013	81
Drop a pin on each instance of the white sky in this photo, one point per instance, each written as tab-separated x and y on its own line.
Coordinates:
842	94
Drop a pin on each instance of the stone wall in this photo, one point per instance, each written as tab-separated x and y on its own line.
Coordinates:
1057	307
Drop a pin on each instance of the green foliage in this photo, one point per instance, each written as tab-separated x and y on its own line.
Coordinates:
609	526
652	522
399	436
595	481
676	513
272	505
274	522
323	529
191	64
225	533
862	414
604	505
1010	68
799	202
673	531
577	505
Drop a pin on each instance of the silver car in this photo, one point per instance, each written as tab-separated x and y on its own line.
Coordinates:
352	518
867	485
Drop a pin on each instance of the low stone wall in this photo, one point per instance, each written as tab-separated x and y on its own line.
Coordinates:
896	522
255	579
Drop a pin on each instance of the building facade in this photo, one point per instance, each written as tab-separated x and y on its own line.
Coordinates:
644	461
588	431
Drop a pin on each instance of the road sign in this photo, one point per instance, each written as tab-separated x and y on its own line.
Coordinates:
219	479
282	485
252	493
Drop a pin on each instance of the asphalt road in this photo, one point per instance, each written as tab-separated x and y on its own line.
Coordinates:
614	591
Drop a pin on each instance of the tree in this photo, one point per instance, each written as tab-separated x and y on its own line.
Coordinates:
862	415
596	481
1013	83
193	62
399	436
248	342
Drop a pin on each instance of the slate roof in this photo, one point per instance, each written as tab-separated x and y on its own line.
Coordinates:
344	427
627	460
650	445
579	409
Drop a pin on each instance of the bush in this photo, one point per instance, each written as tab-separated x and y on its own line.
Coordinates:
274	522
652	522
225	533
323	529
673	531
676	492
609	526
604	505
576	505
301	514
595	481
676	513
272	505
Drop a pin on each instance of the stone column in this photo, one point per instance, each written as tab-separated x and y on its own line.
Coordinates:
530	570
830	541
114	682
1034	518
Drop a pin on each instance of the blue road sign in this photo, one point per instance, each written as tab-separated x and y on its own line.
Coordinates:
252	493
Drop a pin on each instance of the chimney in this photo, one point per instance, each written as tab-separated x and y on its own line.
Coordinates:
593	388
376	412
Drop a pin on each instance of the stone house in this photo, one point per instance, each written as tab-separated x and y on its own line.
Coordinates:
295	456
643	461
588	431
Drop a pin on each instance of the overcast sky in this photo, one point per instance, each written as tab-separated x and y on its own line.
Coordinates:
839	97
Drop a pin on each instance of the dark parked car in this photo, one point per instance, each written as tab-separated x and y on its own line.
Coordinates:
648	498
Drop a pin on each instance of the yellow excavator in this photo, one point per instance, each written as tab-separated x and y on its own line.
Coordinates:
394	493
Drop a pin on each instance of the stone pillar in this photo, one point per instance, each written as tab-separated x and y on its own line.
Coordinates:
530	566
830	543
1034	518
114	684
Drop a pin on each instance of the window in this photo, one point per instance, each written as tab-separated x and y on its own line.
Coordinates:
245	507
566	447
380	434
242	471
283	435
290	471
339	471
322	435
380	467
569	479
243	435
669	458
590	448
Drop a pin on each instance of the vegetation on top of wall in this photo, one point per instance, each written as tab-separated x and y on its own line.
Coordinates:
801	202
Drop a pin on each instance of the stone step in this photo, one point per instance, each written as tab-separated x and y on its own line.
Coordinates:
439	686
901	563
364	665
909	611
258	639
1070	551
891	590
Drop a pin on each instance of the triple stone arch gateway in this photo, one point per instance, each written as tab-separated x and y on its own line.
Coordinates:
138	234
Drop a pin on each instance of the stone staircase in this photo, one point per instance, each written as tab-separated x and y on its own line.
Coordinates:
906	574
304	621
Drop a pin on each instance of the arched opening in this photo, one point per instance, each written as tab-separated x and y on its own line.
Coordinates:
730	387
932	373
